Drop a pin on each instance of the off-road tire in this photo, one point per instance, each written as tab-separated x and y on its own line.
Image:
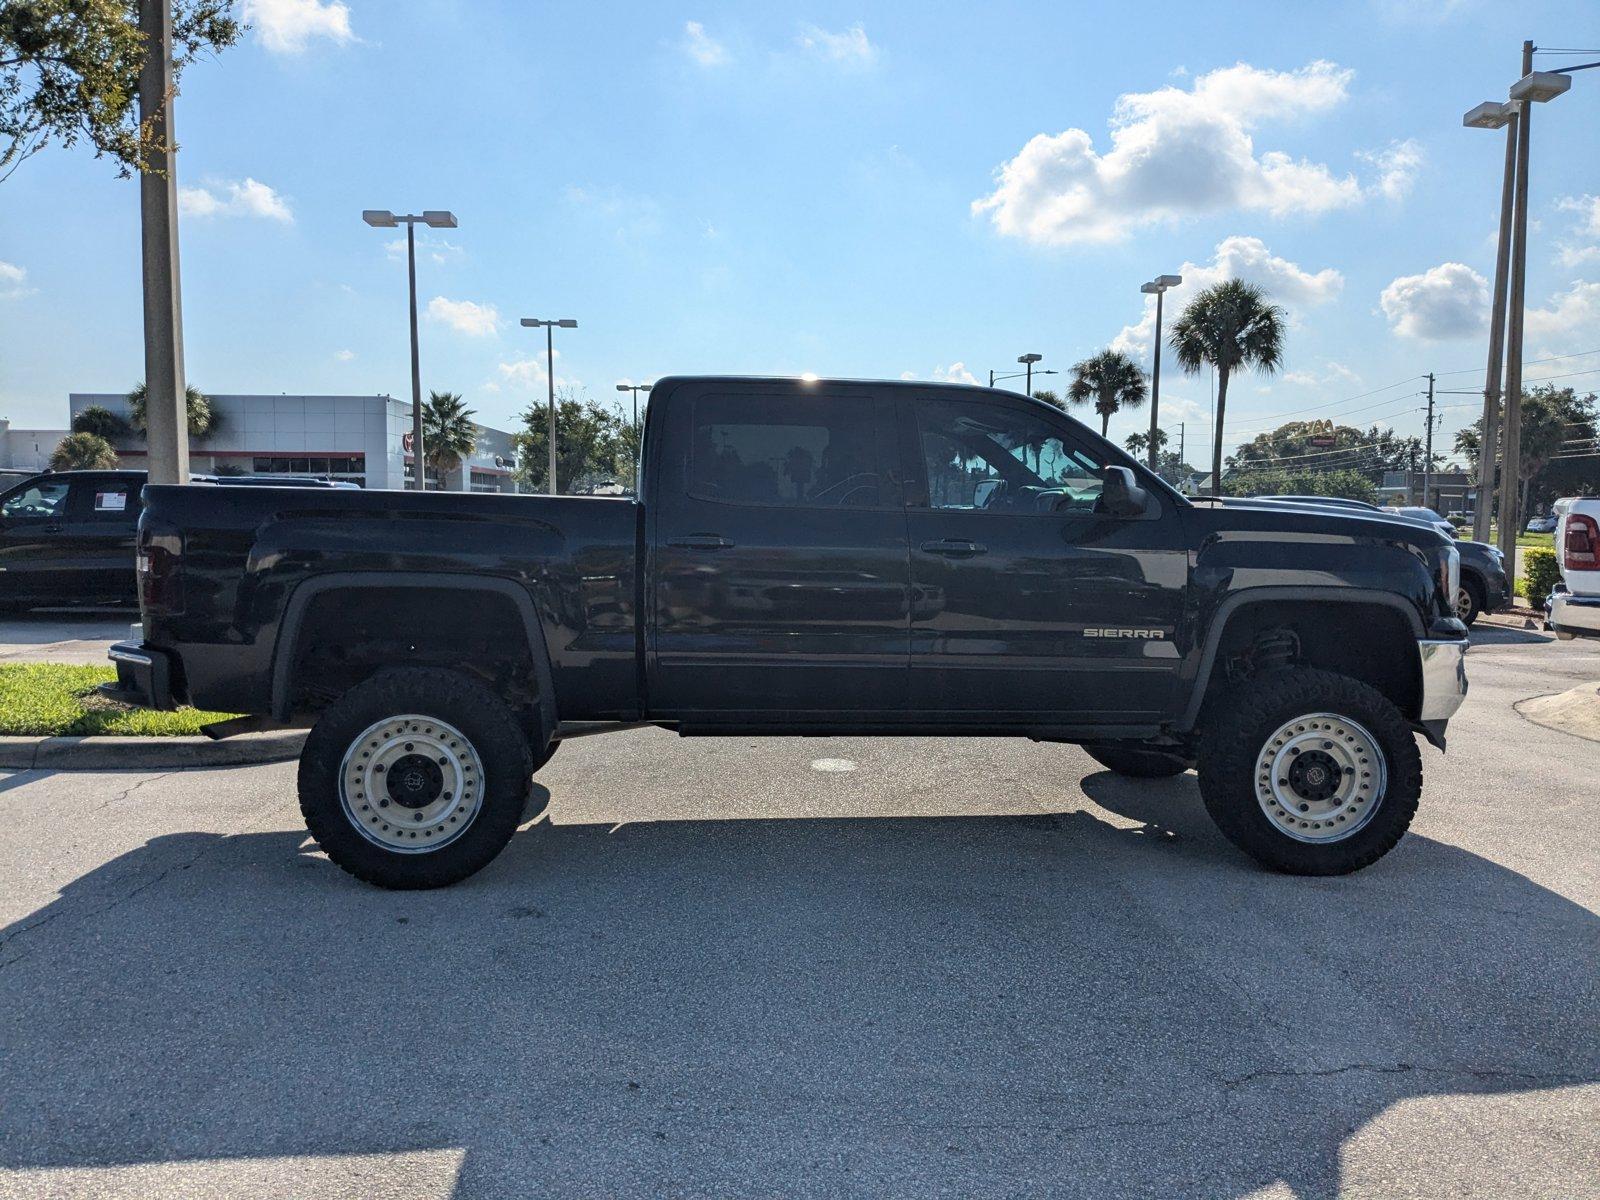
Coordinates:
1136	761
500	744
1237	725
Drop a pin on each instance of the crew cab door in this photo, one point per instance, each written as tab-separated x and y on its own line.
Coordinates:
102	523
778	553
34	565
1030	601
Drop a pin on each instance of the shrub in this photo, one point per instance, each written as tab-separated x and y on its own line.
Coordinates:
1543	574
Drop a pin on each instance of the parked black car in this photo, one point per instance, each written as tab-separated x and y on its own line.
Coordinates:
811	557
67	538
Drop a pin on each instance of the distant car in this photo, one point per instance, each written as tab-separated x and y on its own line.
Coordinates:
1417	513
1484	585
67	538
1573	609
1544	524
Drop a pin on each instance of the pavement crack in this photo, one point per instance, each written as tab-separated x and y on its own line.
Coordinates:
128	791
1402	1068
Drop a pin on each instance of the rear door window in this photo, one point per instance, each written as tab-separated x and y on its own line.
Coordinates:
41	500
106	502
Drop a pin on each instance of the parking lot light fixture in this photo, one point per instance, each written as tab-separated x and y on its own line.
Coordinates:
635	388
1540	86
435	218
1157	287
549	325
1029	360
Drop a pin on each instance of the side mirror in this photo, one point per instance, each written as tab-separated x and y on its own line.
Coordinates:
1121	495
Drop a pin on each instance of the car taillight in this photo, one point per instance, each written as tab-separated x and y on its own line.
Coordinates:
160	572
1580	548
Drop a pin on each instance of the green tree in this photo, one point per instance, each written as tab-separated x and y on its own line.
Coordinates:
201	418
1554	421
101	422
1230	326
83	452
1050	397
1323	445
1276	481
448	434
1112	380
588	440
69	73
1139	443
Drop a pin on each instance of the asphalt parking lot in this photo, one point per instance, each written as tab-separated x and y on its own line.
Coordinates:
815	967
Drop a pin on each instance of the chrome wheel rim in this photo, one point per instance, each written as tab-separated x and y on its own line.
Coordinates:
411	784
1320	778
1463	603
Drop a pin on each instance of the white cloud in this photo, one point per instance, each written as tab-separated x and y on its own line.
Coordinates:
1574	311
1444	302
523	373
345	355
465	316
1398	164
956	372
290	26
13	281
1174	153
247	198
850	46
435	249
702	47
1247	258
1586	230
1328	372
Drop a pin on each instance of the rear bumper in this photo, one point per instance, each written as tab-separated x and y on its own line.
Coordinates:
1444	677
1577	616
144	676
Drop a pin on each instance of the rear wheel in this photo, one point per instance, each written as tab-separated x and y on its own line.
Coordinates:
415	778
1136	760
1309	772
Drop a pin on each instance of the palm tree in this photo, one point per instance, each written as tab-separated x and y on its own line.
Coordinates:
448	434
1112	380
83	452
1229	325
201	418
1138	443
101	422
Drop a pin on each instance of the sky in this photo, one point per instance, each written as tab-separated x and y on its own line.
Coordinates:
865	190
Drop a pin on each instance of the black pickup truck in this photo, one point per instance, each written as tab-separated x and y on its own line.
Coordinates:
810	557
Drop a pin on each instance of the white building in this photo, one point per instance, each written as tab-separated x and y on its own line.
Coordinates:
363	439
27	449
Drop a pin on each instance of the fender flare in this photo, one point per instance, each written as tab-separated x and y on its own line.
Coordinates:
1264	595
308	590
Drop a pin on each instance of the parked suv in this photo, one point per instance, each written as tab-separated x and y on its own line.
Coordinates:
1573	609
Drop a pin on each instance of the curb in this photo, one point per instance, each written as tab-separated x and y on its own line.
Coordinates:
137	753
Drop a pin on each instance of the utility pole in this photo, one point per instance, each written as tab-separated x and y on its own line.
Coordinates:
1511	464
1427	453
549	326
1483	510
166	410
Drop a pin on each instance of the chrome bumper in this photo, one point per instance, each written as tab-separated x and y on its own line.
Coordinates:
1571	614
1444	677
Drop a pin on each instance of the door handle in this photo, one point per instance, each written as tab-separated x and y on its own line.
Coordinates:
50	529
954	548
701	541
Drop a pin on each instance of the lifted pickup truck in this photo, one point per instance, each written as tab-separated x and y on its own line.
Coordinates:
811	557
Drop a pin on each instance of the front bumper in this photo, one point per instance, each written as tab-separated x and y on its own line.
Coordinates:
1444	677
144	676
1575	616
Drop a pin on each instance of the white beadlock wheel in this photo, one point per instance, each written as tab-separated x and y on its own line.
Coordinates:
1321	777
411	784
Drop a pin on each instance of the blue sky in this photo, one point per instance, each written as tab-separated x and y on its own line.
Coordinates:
847	189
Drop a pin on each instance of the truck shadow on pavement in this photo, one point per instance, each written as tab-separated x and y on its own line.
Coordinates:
1054	1004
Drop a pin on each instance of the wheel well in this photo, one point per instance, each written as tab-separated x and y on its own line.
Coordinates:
346	635
1370	642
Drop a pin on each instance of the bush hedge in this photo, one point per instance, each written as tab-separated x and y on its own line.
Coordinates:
1543	574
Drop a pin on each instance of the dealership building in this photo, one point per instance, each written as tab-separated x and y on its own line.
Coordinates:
363	439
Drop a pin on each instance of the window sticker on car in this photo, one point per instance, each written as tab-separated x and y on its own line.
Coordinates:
110	501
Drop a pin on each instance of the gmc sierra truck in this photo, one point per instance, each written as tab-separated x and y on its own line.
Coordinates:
810	557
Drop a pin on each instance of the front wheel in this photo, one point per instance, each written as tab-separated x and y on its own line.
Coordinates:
1469	602
415	778
1309	772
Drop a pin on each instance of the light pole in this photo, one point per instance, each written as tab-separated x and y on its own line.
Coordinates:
1029	359
549	328
1158	288
1490	115
635	388
993	378
434	218
166	408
